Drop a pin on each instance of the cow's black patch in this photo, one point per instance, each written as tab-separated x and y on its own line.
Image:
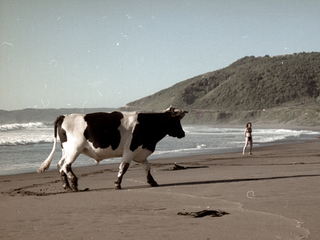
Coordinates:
62	133
151	128
102	129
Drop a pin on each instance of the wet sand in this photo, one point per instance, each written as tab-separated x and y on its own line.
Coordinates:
272	194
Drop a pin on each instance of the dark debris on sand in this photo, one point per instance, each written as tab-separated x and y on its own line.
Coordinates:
203	213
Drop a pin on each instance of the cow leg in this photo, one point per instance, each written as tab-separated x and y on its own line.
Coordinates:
145	166
65	182
66	172
151	181
63	175
72	177
122	170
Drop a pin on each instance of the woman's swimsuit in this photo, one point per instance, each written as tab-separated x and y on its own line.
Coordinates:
249	131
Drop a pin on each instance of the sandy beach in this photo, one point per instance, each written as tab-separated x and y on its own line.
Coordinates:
272	194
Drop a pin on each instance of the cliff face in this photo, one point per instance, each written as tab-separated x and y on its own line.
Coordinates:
280	89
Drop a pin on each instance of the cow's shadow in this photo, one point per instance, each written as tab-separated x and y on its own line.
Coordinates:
236	180
26	190
210	182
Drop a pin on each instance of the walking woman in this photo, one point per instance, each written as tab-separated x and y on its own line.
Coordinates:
248	135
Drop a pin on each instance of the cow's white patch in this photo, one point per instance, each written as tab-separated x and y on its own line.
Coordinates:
98	154
129	121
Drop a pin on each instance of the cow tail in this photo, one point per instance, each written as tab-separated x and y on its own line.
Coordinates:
46	164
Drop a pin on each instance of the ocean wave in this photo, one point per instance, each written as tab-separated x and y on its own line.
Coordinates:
182	151
206	130
24	141
21	126
201	145
273	135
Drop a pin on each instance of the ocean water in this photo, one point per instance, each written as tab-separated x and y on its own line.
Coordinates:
23	147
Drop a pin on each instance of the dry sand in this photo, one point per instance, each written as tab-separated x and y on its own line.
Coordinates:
272	194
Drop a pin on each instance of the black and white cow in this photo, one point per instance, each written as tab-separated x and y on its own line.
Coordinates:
130	135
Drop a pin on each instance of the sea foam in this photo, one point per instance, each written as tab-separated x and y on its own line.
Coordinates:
21	126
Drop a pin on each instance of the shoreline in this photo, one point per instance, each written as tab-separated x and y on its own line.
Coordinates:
155	157
271	194
152	157
29	165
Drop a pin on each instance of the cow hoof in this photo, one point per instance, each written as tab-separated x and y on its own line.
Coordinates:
75	188
154	184
67	188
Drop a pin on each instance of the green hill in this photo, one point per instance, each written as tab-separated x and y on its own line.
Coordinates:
279	89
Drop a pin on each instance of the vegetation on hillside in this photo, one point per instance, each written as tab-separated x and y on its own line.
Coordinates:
251	83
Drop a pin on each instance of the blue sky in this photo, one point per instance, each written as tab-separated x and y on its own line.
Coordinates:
62	54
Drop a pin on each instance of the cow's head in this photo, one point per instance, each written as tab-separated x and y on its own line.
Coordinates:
174	125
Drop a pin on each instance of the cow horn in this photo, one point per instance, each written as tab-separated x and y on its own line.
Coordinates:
176	112
170	109
179	113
